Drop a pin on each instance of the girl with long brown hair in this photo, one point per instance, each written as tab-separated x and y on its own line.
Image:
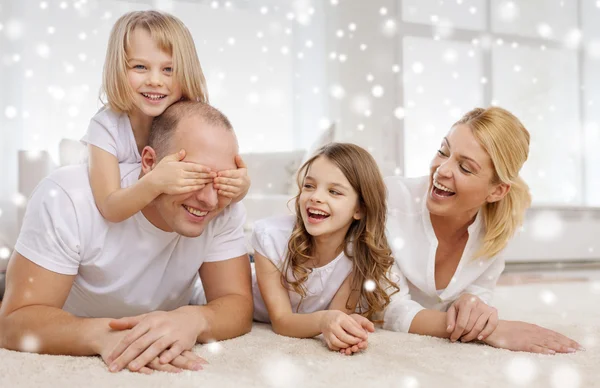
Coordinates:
325	270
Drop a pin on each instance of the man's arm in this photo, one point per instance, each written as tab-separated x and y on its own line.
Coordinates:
228	288
31	315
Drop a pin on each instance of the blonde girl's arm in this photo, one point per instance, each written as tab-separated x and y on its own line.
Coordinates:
114	203
291	324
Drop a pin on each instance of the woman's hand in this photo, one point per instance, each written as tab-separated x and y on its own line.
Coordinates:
527	337
470	318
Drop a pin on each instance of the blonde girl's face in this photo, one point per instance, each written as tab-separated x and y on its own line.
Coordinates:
328	203
150	75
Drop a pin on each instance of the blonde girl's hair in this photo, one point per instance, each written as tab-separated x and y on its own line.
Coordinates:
171	36
506	140
365	243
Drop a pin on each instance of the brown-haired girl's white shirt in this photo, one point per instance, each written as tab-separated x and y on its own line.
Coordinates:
270	238
414	245
112	132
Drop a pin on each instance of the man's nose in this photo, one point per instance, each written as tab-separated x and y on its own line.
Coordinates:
208	196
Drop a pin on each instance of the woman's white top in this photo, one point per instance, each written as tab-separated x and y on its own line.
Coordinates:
414	246
270	239
112	132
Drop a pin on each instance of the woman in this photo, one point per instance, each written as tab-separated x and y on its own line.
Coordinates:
448	230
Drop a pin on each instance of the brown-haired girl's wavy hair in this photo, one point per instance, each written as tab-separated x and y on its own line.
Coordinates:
365	243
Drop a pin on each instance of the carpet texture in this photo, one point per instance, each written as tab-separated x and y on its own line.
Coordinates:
264	359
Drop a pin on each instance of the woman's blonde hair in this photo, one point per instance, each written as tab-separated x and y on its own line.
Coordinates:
507	142
365	243
172	36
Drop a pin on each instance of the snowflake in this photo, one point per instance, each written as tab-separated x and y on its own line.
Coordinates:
508	11
521	370
4	253
214	347
565	376
546	226
399	113
369	285
377	91
337	92
30	344
283	372
10	112
398	241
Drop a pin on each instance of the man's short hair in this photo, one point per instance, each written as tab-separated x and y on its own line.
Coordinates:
164	126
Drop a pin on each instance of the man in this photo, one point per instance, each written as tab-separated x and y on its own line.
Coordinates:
72	270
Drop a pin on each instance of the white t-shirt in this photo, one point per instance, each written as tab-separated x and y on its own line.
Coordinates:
126	268
112	132
270	238
414	246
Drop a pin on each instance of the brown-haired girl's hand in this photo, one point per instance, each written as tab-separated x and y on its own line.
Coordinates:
362	345
340	331
233	184
527	337
172	176
470	318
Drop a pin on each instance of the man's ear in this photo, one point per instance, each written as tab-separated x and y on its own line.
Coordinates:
149	159
498	193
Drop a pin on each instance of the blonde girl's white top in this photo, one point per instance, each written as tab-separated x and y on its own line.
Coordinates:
112	132
270	239
414	246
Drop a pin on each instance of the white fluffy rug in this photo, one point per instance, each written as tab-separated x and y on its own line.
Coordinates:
263	359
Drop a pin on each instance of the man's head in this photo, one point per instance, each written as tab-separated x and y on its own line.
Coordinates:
208	139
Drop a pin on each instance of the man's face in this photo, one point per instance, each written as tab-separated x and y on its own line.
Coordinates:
211	146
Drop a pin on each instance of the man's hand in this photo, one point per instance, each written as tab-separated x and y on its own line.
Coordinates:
469	317
159	333
233	184
527	337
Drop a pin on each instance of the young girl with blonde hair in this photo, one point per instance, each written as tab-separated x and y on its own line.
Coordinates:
449	229
151	63
315	269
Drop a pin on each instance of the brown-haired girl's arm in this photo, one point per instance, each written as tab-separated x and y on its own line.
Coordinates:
170	176
344	330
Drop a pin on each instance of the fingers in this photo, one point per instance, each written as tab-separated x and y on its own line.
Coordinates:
364	322
156	365
154	348
195	168
169	355
132	336
189	360
145	370
477	328
450	319
540	349
131	347
462	321
347	339
354	329
176	157
337	343
126	323
489	328
239	162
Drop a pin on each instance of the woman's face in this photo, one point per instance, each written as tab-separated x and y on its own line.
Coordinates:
462	176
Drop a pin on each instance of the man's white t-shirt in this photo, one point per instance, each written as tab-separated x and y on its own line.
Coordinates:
112	132
414	246
122	269
270	238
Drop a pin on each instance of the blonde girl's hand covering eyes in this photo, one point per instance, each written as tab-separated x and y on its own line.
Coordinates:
233	184
172	176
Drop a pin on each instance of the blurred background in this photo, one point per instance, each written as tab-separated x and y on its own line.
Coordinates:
389	75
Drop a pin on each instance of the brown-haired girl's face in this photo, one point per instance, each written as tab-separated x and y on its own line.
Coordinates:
328	203
461	175
150	75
